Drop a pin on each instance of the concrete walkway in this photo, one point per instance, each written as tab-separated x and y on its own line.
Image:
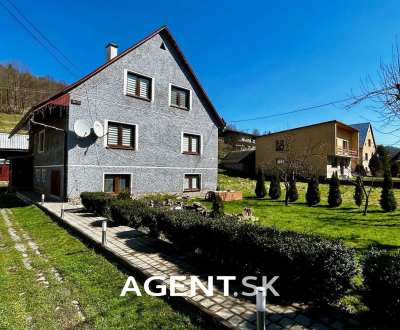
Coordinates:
147	256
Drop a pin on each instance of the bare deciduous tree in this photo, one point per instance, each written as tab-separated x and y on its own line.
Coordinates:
297	159
361	172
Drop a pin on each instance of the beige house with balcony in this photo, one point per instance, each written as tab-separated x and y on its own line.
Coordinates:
337	146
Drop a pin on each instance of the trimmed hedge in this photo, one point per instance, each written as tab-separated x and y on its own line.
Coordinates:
98	203
311	268
381	271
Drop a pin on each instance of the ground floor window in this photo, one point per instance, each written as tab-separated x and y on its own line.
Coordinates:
192	182
115	183
334	162
37	175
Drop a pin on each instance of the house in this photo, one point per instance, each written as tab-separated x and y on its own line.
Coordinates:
367	145
395	159
237	139
14	147
158	128
338	146
242	161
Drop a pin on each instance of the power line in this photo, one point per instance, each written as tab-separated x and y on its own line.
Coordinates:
294	111
45	37
38	40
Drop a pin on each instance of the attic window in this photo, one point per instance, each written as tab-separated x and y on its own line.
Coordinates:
163	46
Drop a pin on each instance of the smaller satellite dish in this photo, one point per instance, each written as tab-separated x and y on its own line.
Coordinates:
82	128
98	129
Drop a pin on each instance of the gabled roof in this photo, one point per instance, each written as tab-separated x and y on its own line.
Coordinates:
59	94
18	142
363	128
244	156
227	131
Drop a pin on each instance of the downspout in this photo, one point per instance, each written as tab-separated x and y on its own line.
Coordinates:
65	154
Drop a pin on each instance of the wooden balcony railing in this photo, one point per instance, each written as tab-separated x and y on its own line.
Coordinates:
350	152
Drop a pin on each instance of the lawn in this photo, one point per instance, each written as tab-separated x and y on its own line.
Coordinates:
347	222
8	122
88	278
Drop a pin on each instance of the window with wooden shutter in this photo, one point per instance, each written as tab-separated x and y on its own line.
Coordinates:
121	136
191	182
191	144
180	97
138	86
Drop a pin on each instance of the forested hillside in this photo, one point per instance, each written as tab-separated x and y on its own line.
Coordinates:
20	89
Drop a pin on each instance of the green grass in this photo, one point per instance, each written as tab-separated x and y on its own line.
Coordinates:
347	222
89	278
8	122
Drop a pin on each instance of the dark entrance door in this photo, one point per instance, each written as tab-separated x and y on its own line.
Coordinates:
55	189
341	167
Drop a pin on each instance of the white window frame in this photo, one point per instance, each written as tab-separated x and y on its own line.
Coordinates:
113	173
126	71
44	141
43	175
200	183
37	175
181	87
136	135
201	142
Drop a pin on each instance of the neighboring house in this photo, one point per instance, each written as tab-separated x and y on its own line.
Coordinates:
14	147
237	139
160	127
242	161
395	159
367	144
338	145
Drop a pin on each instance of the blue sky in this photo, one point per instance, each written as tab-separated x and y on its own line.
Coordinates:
254	58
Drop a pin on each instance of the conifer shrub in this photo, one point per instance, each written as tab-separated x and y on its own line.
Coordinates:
388	201
335	195
375	164
313	196
293	193
358	192
217	206
275	187
360	170
260	190
394	170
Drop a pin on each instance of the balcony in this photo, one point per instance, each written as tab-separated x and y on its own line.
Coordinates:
348	152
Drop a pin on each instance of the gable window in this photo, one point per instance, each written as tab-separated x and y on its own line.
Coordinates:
191	144
37	175
180	97
192	182
138	86
366	156
280	145
334	162
369	142
121	136
115	183
280	161
41	141
43	175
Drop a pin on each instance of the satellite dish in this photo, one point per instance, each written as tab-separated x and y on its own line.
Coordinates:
82	128
98	129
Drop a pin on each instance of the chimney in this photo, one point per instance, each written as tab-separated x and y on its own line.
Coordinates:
112	51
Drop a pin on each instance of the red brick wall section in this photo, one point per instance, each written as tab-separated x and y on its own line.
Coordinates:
227	196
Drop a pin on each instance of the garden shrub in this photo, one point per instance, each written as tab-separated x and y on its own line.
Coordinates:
360	170
381	286
275	187
311	269
293	193
260	190
358	192
335	195
217	206
313	196
98	202
124	194
388	201
375	164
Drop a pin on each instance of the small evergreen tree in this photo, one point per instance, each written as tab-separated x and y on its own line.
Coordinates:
275	187
394	170
388	201
360	170
260	185
335	196
217	206
313	196
375	164
358	193
383	157
293	193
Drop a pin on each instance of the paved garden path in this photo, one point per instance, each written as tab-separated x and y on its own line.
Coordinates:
154	257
